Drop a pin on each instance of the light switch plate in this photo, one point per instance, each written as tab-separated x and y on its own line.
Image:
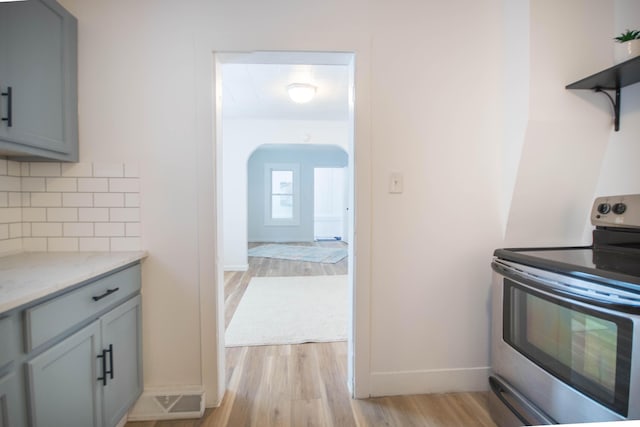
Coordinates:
395	183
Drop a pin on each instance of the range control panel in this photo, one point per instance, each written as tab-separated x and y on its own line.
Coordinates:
616	211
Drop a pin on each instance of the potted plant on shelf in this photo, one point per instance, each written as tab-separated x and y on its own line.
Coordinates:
628	45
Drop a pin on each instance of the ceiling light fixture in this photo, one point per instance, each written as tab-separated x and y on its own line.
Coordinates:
301	92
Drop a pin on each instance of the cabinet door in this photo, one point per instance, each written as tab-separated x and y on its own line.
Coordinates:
39	65
9	339
11	402
121	336
63	385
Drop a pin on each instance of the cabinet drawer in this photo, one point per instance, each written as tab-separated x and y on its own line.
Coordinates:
52	318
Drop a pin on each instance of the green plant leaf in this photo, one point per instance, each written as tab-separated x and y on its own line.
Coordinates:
628	35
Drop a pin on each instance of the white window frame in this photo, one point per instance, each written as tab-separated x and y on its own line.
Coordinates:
289	167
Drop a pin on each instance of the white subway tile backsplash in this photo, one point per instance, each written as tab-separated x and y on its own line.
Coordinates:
78	200
62	244
15	200
46	229
124	185
46	200
125	243
93	185
78	229
34	214
34	244
77	169
131	200
15	230
9	215
132	229
93	214
109	229
10	246
44	169
62	214
13	168
124	214
69	206
108	170
9	183
31	184
91	244
62	184
108	200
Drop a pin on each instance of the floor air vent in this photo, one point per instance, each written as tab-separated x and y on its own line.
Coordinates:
162	405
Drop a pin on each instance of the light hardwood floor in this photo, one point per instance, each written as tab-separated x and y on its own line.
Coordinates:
305	384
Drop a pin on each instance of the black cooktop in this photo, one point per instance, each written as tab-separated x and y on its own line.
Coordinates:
615	265
614	256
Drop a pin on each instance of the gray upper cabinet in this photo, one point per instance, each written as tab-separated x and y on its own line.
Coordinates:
38	81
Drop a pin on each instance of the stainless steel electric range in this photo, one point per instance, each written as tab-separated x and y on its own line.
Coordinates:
566	325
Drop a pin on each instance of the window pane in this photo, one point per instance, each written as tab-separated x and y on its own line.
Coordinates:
282	207
281	182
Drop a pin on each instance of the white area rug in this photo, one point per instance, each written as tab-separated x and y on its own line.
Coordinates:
290	310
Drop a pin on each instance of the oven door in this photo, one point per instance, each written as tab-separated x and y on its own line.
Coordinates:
570	358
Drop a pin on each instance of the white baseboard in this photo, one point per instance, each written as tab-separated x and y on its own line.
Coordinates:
429	381
241	267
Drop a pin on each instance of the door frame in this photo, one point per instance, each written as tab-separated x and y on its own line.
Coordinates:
211	283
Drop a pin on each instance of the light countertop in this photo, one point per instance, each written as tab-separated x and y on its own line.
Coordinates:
27	277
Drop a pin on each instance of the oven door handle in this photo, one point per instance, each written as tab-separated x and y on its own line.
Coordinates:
539	284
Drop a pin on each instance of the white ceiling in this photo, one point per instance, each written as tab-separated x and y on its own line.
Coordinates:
259	91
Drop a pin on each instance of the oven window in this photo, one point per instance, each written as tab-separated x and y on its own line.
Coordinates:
585	348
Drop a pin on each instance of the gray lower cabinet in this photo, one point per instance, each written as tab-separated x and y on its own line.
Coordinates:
11	401
38	81
91	378
121	330
63	390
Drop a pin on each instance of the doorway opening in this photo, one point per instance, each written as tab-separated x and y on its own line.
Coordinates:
255	112
330	204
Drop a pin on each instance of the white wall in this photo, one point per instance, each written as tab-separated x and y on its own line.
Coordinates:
567	131
620	173
436	118
429	104
516	94
241	138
